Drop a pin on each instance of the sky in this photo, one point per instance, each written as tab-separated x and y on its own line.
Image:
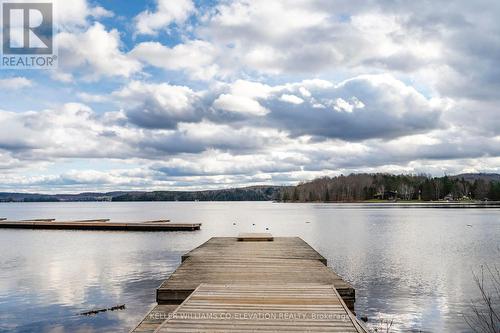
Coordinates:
170	95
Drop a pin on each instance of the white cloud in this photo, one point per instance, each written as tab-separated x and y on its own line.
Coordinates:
250	89
60	76
363	107
195	57
75	13
169	96
89	98
239	104
96	52
72	130
195	138
15	83
167	12
311	37
304	92
366	106
291	99
243	97
158	105
217	163
341	105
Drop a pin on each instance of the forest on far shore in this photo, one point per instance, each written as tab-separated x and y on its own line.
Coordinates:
365	187
354	187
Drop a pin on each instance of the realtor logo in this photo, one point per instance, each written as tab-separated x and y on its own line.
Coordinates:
27	35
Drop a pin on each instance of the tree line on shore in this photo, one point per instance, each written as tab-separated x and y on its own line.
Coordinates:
354	187
363	187
254	193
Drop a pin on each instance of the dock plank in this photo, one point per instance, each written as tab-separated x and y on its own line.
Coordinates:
196	270
279	248
262	308
155	318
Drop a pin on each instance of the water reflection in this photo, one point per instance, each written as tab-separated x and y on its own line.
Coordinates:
409	265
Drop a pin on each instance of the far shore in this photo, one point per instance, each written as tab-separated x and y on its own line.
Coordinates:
371	203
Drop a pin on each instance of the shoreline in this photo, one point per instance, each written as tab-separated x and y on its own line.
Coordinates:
365	202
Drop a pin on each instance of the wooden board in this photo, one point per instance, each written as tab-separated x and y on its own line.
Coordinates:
155	318
255	237
279	248
215	270
89	225
262	308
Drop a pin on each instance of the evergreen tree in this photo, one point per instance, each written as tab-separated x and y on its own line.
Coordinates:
494	193
327	195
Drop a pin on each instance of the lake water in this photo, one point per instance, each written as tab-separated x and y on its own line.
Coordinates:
410	265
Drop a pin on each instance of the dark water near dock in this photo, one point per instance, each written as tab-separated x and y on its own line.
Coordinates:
410	265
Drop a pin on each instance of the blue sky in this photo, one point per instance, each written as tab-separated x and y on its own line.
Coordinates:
189	94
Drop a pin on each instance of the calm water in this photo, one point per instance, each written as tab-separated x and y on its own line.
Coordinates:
410	265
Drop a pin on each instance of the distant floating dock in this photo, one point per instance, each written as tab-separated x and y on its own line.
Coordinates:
257	282
255	237
99	224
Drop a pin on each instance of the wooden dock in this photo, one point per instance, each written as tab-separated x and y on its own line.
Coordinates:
235	276
262	308
101	224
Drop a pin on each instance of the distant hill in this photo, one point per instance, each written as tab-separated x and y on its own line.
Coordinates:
471	177
253	193
35	197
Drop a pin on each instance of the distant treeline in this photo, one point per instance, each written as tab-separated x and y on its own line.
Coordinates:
355	187
256	193
362	187
34	197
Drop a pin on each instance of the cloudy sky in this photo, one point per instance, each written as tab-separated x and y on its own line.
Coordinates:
182	94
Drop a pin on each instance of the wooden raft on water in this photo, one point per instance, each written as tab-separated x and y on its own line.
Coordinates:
99	224
252	278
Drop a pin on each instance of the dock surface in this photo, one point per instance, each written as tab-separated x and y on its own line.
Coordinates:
262	308
99	225
230	273
279	248
197	270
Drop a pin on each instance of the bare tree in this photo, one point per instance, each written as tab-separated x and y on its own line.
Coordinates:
485	316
